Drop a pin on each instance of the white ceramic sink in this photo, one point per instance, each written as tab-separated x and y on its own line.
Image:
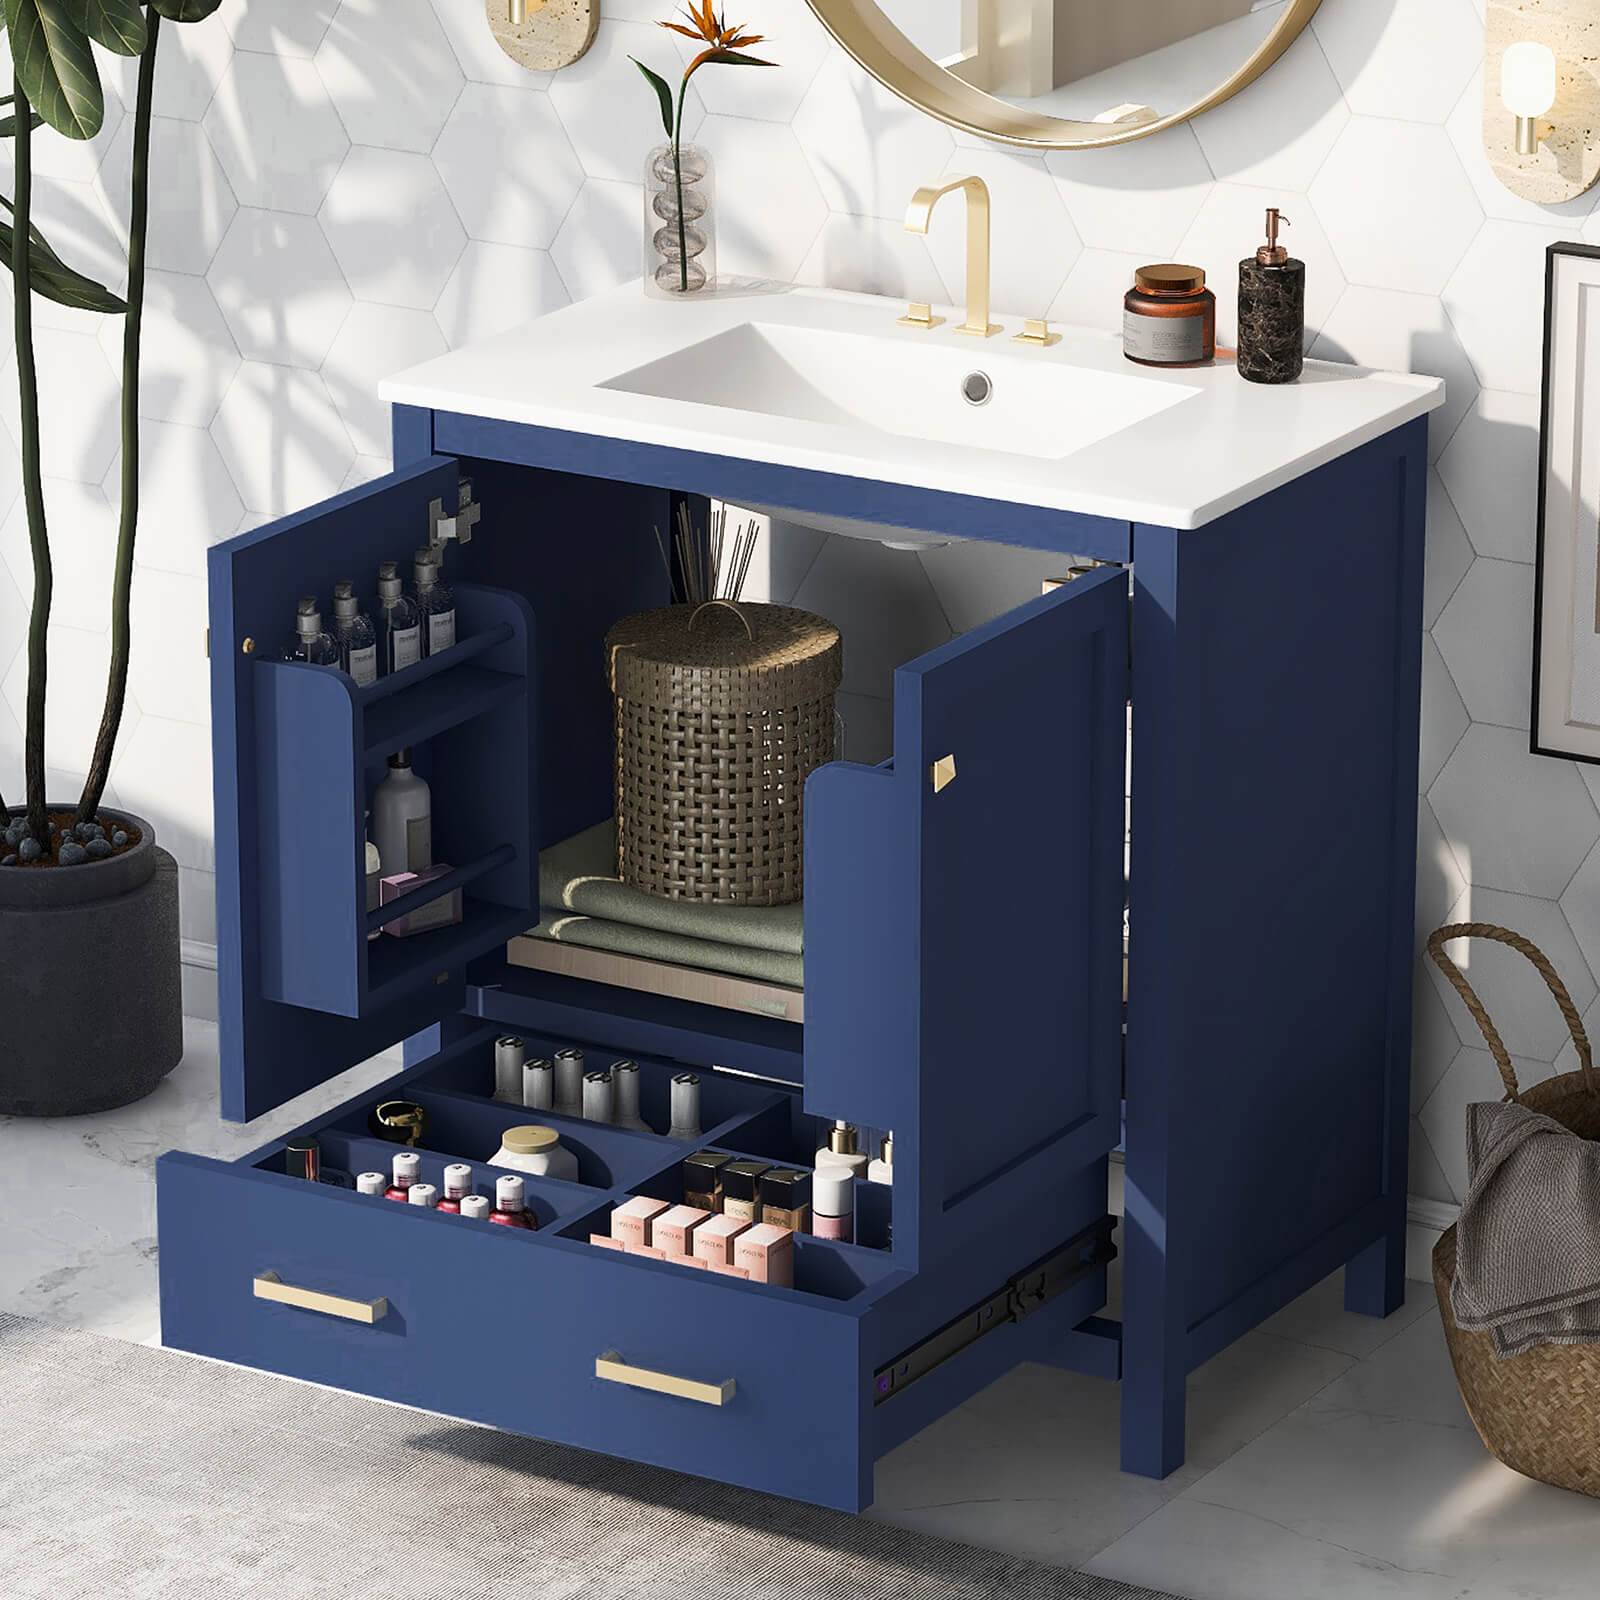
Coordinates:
974	394
825	382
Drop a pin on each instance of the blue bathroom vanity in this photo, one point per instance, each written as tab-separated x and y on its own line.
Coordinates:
964	942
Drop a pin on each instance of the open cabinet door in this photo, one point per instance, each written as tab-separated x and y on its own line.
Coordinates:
302	992
964	919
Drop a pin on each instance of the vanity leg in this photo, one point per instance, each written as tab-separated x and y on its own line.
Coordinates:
1375	1280
1154	1406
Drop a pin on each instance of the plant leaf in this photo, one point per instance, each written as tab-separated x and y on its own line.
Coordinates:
117	24
8	125
732	58
55	280
185	10
663	93
55	65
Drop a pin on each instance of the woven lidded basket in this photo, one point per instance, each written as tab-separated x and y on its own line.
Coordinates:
1538	1412
722	712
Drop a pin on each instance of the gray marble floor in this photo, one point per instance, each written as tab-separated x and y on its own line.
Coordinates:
1329	1456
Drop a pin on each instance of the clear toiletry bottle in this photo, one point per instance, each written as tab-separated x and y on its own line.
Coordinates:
311	642
842	1150
399	622
402	819
358	639
435	600
685	1107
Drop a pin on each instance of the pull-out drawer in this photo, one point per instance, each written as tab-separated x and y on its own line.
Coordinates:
544	1333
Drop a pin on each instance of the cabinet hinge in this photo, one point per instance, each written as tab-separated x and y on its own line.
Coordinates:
1022	1295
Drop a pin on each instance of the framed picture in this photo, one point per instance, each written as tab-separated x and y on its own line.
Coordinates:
1566	606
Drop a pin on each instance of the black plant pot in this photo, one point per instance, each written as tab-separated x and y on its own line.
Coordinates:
91	995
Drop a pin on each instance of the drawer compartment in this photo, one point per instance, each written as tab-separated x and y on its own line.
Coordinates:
535	1333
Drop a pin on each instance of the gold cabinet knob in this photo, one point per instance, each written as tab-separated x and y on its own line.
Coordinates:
943	773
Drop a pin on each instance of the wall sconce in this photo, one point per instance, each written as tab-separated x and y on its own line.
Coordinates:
541	36
1541	88
1528	90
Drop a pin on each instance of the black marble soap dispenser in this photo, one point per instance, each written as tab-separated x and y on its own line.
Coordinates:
1272	310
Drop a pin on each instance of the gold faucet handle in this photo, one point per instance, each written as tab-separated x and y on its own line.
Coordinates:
919	316
1036	331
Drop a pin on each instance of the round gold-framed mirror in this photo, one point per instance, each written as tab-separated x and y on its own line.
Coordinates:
1064	74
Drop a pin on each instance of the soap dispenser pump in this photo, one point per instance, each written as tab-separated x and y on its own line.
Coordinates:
1272	310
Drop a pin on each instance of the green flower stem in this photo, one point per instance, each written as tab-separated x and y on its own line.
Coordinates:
32	486
677	173
122	588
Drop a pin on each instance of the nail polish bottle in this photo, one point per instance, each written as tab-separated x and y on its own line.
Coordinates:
841	1150
407	1169
371	1183
1272	310
881	1170
569	1082
509	1210
457	1186
833	1204
597	1097
625	1097
475	1206
538	1085
509	1054
422	1194
685	1107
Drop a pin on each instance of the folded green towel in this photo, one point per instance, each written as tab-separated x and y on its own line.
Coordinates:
764	966
580	874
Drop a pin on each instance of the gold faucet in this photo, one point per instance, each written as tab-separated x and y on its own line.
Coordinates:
918	216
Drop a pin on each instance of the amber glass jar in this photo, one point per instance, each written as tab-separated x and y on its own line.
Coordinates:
1169	317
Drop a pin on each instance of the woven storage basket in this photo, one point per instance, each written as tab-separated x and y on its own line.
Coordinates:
722	712
1538	1412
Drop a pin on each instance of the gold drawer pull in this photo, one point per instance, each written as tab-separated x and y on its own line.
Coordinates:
269	1286
614	1369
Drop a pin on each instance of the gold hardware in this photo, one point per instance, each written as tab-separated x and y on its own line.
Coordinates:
269	1286
1036	331
614	1369
920	213
441	977
904	70
943	773
248	647
919	316
208	644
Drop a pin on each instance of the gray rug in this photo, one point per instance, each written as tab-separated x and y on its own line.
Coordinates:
145	1474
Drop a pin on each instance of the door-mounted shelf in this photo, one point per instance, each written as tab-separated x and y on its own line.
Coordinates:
322	745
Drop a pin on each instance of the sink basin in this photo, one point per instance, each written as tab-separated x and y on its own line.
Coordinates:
983	397
821	382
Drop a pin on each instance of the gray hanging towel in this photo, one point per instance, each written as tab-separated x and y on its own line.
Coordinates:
1528	1242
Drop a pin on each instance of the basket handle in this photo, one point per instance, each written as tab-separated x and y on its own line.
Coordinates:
1497	1047
731	605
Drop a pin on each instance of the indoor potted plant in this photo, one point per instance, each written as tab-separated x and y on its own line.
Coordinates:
90	996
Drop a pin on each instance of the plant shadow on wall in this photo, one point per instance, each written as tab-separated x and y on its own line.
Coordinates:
81	889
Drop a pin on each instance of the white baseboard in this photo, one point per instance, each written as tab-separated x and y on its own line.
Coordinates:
199	979
1425	1221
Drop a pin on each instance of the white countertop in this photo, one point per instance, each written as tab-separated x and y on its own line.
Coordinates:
1217	444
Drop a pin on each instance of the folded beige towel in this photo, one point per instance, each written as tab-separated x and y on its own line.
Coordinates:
1528	1242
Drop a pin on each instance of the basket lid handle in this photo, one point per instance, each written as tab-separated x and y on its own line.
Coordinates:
731	605
1497	1047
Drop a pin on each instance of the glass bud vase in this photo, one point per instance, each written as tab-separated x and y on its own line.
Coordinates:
680	222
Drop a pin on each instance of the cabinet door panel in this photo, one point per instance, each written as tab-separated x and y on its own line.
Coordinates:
987	1031
271	852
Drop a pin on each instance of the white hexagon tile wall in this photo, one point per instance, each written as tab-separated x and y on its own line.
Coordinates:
346	185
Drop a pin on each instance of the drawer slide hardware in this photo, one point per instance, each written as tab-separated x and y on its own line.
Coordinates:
269	1286
1084	1253
614	1369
